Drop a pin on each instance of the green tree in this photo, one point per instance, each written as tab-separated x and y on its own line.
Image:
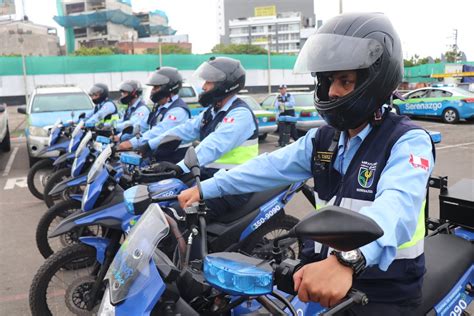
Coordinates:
169	49
238	49
93	51
452	56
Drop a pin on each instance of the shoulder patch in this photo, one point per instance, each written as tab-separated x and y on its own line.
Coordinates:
419	162
228	119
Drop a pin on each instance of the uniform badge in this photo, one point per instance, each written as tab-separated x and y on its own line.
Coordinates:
366	174
172	117
228	120
418	162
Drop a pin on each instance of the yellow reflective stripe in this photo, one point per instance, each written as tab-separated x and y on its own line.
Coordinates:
420	229
239	155
113	118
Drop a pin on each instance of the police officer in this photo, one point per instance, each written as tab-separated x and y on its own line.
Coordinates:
227	129
169	110
137	111
285	106
366	159
104	107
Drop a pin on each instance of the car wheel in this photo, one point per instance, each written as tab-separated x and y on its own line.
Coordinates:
450	116
5	145
262	137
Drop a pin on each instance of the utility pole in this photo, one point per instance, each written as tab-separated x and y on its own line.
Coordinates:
23	61
159	48
269	40
340	7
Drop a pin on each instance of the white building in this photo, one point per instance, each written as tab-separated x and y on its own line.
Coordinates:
283	30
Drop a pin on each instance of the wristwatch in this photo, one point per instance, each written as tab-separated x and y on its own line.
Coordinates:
353	259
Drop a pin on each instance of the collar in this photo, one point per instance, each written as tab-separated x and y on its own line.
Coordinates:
134	105
226	105
167	104
362	135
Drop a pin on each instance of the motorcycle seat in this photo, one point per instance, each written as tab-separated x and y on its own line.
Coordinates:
447	257
256	201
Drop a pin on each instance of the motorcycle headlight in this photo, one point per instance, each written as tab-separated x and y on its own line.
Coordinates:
106	308
38	131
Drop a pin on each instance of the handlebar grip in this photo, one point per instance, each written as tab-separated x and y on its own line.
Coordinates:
164	198
353	297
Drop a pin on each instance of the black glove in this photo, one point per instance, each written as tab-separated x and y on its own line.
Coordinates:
145	150
166	166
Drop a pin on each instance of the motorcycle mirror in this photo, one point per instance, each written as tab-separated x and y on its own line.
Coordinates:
82	115
191	161
338	228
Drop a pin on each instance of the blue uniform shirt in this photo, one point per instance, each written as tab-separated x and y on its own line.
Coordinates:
289	104
228	135
106	107
174	117
400	191
138	117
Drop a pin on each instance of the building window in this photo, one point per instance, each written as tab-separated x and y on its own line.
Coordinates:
75	8
80	32
96	4
99	30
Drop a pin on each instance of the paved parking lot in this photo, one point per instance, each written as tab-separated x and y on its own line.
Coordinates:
20	211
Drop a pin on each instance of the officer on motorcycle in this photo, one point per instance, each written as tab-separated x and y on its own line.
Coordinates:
99	94
169	109
227	129
137	111
366	159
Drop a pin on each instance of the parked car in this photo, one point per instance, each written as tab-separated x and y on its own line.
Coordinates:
266	119
4	131
305	111
188	93
447	102
47	104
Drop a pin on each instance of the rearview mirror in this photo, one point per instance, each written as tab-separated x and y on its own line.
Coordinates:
191	161
82	115
338	227
21	109
2	108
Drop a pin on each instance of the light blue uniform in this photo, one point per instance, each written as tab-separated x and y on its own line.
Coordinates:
174	117
138	117
227	136
106	107
398	191
289	104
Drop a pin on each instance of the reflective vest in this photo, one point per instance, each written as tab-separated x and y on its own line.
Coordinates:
158	113
113	117
238	155
357	189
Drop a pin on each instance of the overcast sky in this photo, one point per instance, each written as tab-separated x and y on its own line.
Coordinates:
426	27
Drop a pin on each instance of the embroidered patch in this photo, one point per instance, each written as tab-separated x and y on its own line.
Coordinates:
140	114
172	117
366	174
324	156
228	120
418	162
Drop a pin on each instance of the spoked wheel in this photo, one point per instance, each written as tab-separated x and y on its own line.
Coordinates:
49	221
54	179
38	176
260	243
62	285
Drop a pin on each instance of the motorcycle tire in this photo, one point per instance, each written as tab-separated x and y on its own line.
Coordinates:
67	262
59	211
32	173
259	245
54	179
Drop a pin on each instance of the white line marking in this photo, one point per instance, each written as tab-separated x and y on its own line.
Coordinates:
10	162
453	146
15	182
274	136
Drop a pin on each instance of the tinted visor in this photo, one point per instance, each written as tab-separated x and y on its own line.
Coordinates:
157	79
332	52
207	72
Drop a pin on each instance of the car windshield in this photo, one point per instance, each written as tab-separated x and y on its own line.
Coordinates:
60	102
304	99
251	103
186	92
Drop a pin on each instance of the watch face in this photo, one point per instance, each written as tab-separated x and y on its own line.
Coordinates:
350	256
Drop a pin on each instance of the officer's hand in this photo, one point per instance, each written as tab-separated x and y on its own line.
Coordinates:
166	166
116	138
326	281
188	197
145	150
126	145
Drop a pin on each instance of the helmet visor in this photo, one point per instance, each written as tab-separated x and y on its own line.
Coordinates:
333	52
207	72
96	90
157	79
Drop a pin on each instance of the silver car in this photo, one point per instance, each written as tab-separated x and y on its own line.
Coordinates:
4	131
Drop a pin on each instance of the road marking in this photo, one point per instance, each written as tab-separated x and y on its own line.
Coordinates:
453	146
10	162
274	136
12	182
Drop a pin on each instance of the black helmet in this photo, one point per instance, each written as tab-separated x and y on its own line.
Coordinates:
228	77
102	90
133	88
365	42
169	80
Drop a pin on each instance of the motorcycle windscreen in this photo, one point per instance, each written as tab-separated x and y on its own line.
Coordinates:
131	263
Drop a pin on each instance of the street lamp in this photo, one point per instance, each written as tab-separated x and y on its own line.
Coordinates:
269	40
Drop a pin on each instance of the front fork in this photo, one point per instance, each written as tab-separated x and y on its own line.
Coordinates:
104	257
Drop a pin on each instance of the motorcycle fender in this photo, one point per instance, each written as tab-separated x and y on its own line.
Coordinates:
61	186
99	243
77	197
63	159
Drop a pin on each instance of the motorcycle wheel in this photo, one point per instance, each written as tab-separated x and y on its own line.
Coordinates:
62	284
260	244
49	221
38	177
54	179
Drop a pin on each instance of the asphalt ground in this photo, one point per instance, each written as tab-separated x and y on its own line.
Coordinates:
20	211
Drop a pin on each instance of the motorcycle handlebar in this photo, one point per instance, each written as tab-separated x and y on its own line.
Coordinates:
353	297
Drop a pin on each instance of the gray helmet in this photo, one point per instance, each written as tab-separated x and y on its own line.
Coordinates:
133	88
365	42
228	77
169	79
102	90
